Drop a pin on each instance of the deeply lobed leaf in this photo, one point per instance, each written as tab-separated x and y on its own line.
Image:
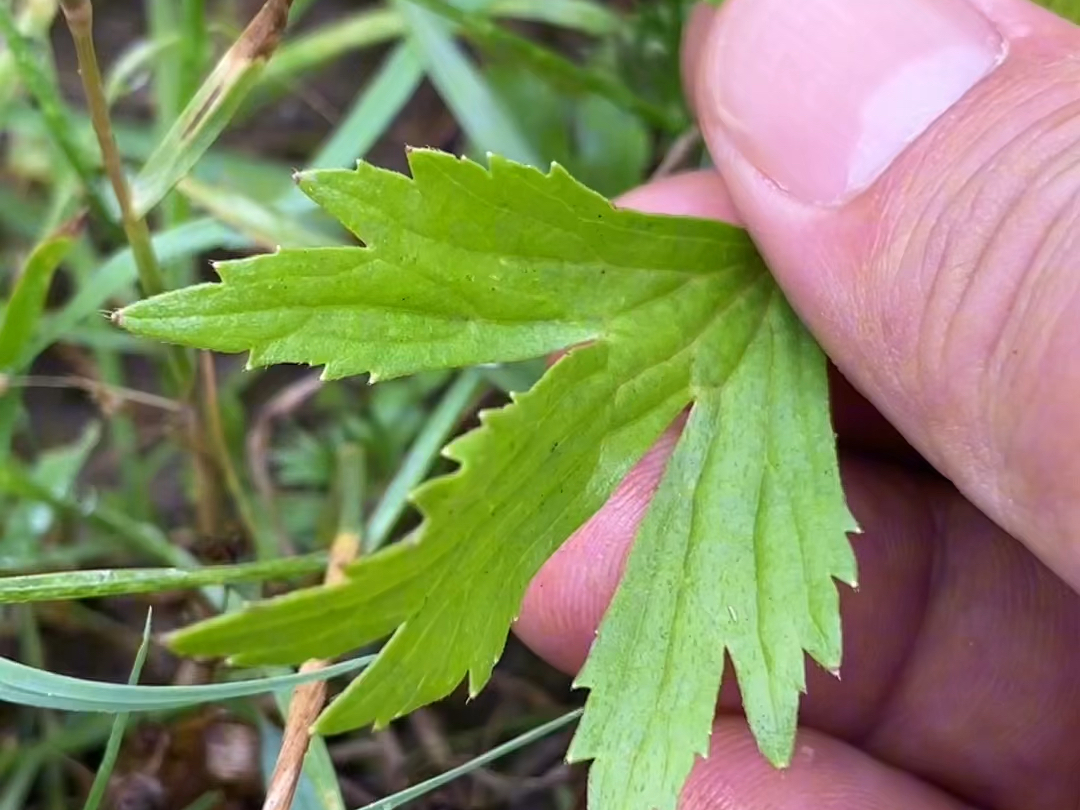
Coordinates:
737	552
463	266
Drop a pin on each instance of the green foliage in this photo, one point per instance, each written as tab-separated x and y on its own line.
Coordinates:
26	522
647	51
1069	9
463	266
600	144
20	315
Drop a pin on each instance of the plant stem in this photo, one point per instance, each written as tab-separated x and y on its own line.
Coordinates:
258	530
80	19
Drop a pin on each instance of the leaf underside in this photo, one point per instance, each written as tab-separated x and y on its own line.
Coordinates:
462	266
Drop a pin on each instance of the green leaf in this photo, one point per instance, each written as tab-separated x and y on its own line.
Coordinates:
1069	9
20	315
464	266
738	552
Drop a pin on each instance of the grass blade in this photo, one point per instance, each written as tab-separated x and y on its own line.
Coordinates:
582	16
208	801
116	736
527	55
54	470
371	113
133	63
53	110
436	782
264	225
141	538
463	88
72	739
20	316
370	27
362	29
28	686
126	582
212	107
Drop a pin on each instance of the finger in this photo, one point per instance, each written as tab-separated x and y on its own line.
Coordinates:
701	194
826	774
912	173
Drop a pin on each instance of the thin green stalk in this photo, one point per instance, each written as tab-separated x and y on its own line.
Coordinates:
133	476
208	801
351	485
436	782
33	21
213	106
255	524
370	114
68	585
79	16
464	88
82	735
163	21
375	26
362	29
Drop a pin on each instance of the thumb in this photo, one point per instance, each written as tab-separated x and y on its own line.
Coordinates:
911	171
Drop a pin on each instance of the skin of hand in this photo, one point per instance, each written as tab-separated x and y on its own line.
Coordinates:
911	172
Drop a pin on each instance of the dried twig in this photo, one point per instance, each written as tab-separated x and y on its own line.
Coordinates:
677	154
307	700
108	397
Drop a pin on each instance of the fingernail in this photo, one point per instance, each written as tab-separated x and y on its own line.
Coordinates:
822	95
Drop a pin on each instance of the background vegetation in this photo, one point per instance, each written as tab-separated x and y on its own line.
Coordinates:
136	477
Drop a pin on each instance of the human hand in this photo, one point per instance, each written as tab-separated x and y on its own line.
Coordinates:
911	171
